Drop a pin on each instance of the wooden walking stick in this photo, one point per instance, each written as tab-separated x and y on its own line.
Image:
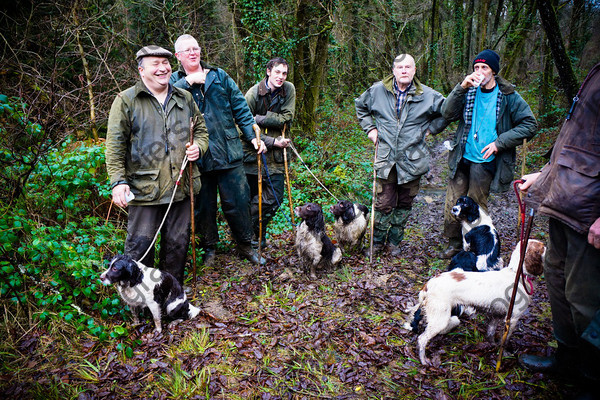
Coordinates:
193	121
260	227
373	203
524	240
287	177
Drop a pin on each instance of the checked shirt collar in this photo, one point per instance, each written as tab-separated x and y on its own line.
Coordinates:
400	97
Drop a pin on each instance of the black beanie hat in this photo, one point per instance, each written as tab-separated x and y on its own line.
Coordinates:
490	58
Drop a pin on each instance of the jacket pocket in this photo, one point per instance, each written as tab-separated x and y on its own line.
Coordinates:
144	184
185	184
235	152
417	160
575	187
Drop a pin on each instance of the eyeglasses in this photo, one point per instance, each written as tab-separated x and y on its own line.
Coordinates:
188	51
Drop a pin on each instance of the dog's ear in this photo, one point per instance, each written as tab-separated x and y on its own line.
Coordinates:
363	208
133	270
319	219
534	257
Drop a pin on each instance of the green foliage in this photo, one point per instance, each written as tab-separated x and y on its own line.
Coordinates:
51	239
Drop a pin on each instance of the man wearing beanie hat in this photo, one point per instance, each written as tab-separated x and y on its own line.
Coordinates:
493	120
146	141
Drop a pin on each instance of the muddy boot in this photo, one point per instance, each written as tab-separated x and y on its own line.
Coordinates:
454	247
381	226
246	251
209	256
396	233
562	363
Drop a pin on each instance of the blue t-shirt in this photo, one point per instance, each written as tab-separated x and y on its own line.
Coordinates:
483	125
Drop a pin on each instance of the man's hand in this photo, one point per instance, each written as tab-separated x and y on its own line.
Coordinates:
373	135
119	193
260	149
281	142
594	234
529	180
472	80
197	77
489	150
192	151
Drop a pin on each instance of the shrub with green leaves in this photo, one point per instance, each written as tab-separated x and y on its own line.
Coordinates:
52	235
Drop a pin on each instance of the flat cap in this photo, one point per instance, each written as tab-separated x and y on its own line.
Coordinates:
154	51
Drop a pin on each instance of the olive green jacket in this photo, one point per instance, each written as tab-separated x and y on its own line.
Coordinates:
145	143
271	118
401	139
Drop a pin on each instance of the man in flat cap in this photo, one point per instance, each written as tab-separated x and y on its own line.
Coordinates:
493	120
146	142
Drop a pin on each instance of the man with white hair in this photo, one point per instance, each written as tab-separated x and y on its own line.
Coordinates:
223	106
398	112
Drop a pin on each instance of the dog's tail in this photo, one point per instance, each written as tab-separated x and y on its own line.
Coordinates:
337	256
415	315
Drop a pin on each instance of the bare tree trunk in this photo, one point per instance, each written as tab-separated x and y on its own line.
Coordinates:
482	23
468	48
88	75
459	34
576	27
310	59
562	62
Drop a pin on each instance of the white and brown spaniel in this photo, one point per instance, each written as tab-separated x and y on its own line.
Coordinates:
488	291
351	220
140	286
314	247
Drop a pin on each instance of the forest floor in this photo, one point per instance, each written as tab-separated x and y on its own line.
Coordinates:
272	333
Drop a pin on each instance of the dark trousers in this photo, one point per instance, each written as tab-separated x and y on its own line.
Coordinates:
473	180
572	272
271	198
142	224
232	187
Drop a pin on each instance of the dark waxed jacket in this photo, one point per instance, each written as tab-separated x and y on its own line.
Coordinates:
515	122
569	187
401	140
145	144
223	106
276	116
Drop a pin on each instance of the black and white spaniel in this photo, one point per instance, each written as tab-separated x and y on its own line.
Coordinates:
350	225
314	247
140	286
488	291
479	234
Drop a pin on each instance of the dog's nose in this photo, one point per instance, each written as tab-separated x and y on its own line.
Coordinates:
455	210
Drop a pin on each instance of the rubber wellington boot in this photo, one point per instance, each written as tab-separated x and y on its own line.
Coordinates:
563	363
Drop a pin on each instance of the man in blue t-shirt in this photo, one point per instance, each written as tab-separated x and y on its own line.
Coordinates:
493	120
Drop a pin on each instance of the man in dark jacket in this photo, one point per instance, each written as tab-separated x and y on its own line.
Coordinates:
493	120
398	112
223	107
272	101
146	142
568	192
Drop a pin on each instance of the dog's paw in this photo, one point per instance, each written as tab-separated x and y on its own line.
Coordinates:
194	311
